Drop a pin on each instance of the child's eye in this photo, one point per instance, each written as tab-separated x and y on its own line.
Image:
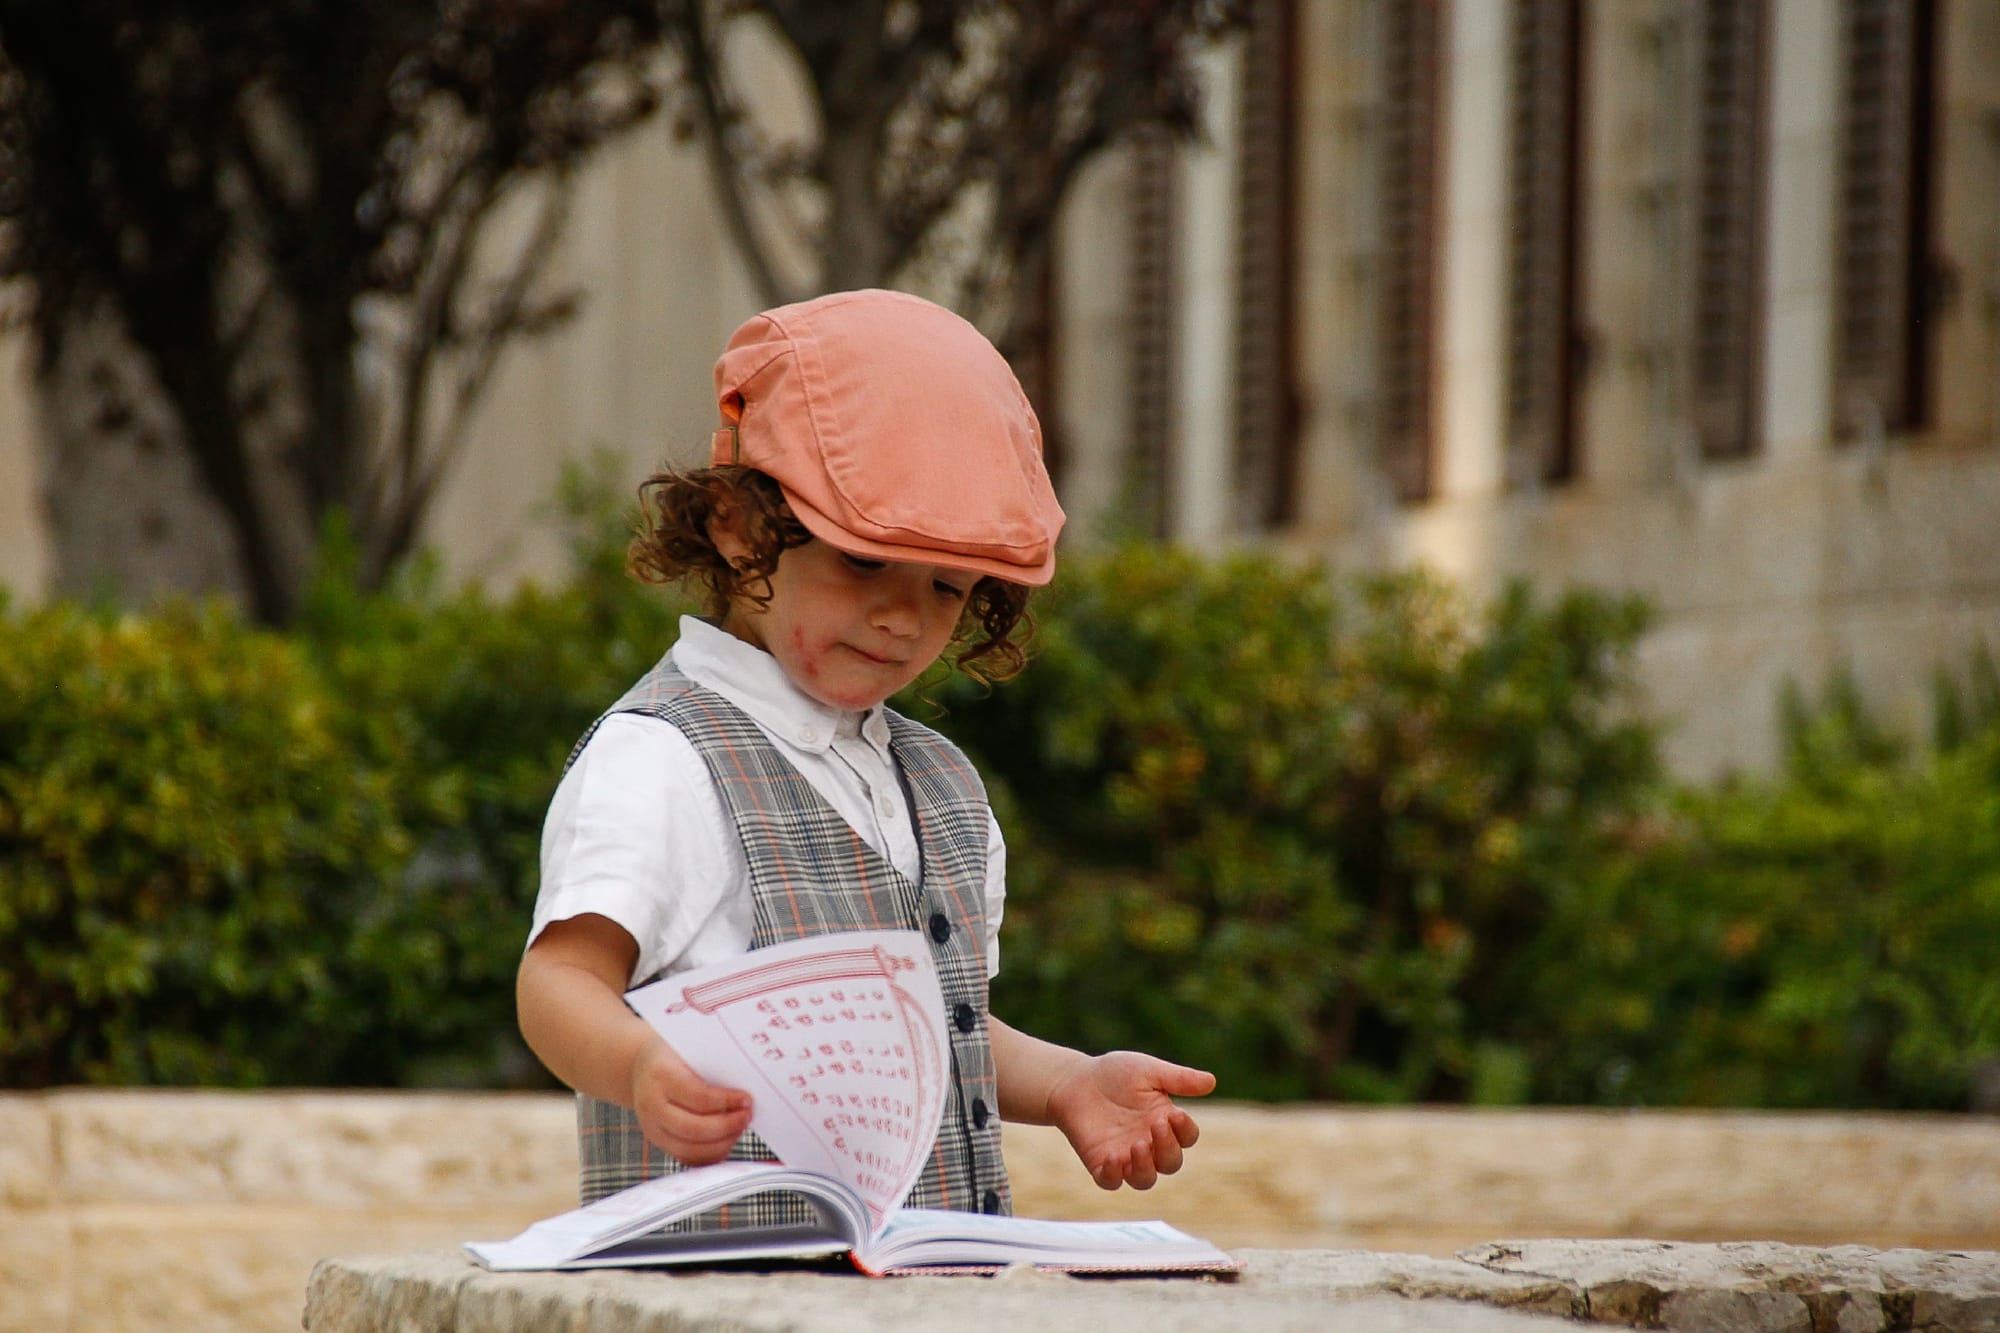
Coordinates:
950	591
861	564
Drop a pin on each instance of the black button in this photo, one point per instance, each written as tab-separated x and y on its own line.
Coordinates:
964	1017
992	1201
980	1114
940	928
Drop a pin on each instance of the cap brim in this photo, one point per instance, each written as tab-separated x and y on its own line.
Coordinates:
1030	574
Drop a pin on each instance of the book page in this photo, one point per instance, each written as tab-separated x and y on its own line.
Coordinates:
916	1238
839	1039
616	1217
620	1230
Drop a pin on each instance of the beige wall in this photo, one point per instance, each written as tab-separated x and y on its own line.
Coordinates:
206	1210
23	549
630	375
1807	557
1882	558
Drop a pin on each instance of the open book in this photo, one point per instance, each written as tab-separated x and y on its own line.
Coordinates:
621	1231
840	1041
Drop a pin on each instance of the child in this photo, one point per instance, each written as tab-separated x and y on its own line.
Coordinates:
876	496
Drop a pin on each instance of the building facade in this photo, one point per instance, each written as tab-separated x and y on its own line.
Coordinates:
1692	298
1698	299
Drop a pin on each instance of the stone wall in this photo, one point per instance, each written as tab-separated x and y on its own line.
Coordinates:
1507	1287
128	1210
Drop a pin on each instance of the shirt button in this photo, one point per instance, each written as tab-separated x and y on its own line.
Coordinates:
964	1017
940	928
991	1203
980	1114
885	806
808	735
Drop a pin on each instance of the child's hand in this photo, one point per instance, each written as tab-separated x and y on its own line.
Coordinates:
1116	1111
681	1111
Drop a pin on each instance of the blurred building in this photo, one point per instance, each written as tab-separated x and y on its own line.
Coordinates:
1695	298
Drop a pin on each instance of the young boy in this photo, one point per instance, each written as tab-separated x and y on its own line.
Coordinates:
876	496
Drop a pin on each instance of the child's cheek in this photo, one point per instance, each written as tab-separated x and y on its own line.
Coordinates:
806	654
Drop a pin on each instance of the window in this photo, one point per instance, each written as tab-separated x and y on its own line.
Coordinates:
1731	154
1882	241
1154	205
1266	392
1411	101
1544	169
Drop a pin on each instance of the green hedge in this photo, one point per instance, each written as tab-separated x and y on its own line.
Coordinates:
1826	937
1302	836
188	849
1331	837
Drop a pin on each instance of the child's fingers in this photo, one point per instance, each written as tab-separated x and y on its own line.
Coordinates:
703	1098
689	1123
1166	1149
1183	1081
1186	1132
1109	1169
699	1138
1140	1172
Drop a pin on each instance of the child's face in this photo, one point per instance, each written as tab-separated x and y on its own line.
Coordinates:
850	632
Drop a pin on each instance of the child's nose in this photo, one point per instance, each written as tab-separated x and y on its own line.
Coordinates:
897	611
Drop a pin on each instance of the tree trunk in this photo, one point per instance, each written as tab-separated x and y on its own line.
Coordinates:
129	516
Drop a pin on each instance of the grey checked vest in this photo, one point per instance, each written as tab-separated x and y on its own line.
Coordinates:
811	873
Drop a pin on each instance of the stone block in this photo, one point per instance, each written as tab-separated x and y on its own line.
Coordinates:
442	1293
1735	1312
237	1267
1764	1285
27	1152
36	1282
1360	1177
341	1150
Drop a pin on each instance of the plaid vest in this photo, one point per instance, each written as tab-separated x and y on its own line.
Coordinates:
811	873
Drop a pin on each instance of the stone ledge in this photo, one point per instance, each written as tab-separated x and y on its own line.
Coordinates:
441	1292
1750	1287
1761	1285
128	1210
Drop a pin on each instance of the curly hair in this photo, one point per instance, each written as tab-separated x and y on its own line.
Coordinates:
672	545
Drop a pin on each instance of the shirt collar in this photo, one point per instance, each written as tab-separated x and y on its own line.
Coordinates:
751	679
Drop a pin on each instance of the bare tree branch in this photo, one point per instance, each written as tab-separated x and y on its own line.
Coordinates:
236	181
722	125
496	330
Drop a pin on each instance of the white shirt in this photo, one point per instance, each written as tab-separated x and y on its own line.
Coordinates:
637	831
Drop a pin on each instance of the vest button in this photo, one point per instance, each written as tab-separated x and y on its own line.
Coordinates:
991	1203
940	928
980	1115
964	1017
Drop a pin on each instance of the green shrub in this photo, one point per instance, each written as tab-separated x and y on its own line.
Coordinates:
233	857
184	842
1821	938
1296	836
486	696
1330	838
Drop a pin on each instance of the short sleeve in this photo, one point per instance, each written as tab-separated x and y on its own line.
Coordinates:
634	834
996	892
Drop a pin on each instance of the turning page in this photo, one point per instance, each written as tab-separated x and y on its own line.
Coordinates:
839	1040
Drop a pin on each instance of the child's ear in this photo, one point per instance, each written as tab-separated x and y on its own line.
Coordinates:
725	531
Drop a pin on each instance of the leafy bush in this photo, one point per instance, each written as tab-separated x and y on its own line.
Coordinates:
233	857
1822	938
184	842
1296	836
1349	839
485	696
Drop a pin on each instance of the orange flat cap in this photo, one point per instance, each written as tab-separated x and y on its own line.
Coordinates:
896	430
